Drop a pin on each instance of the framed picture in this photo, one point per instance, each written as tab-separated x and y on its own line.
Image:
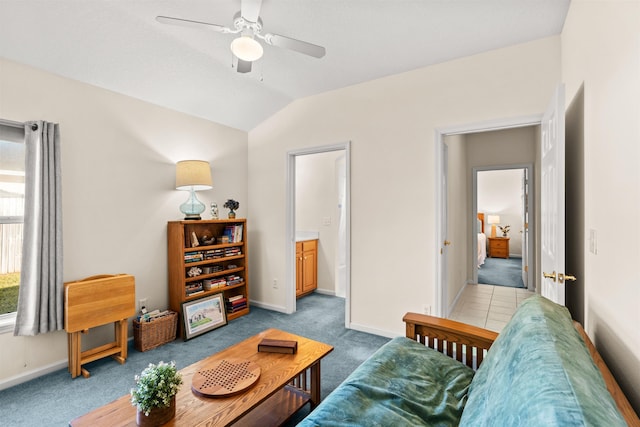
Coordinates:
203	315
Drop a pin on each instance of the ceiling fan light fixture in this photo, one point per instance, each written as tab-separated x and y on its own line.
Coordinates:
246	48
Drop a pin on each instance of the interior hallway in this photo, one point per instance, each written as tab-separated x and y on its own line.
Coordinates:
488	306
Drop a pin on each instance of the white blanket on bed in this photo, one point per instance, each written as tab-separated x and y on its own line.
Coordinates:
482	248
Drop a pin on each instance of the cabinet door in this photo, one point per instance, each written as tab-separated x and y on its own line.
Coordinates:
299	268
309	270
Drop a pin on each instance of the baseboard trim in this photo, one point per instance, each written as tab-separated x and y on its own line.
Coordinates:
31	375
455	300
325	292
266	306
374	331
36	373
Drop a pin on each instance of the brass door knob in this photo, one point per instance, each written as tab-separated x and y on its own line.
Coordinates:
447	243
566	277
551	276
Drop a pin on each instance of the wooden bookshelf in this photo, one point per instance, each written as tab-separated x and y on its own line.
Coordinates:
217	260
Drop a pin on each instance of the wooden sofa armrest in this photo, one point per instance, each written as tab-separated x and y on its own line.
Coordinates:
463	342
623	404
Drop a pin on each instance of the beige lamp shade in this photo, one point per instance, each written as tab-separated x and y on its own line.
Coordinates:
493	219
193	175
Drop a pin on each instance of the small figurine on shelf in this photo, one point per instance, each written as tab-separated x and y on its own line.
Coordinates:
232	205
194	271
214	210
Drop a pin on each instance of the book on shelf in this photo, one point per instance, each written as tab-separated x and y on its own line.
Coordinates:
214	284
232	252
233	232
236	309
277	346
234	280
193	256
194	288
237	303
214	253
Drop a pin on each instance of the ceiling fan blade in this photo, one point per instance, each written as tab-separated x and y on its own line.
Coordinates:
189	23
297	45
243	66
250	9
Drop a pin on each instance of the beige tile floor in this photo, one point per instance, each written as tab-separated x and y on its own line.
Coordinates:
488	306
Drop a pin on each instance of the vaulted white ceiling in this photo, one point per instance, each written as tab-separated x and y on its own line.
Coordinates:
118	45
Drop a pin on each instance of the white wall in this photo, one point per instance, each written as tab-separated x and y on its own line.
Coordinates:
600	50
391	124
118	180
317	199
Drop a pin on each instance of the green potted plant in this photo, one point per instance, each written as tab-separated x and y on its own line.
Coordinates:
155	394
232	205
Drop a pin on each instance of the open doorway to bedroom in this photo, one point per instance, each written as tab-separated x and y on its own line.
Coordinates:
503	250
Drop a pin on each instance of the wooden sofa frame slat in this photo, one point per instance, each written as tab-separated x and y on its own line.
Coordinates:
419	326
469	339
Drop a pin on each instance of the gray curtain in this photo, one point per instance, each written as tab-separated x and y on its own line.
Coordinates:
40	301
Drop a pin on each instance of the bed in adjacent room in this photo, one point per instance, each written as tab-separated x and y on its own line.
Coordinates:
482	240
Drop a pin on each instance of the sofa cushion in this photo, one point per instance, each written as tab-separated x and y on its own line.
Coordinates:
539	372
403	383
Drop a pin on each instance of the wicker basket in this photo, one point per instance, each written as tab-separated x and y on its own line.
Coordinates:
149	335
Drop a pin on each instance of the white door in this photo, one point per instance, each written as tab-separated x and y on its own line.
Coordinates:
444	226
552	199
341	253
525	227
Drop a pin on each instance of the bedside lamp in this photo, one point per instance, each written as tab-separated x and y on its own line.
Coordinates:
493	220
193	175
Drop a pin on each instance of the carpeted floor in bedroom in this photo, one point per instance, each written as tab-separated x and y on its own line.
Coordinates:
501	272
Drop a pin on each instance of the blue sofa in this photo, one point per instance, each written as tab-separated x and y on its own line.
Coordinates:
542	370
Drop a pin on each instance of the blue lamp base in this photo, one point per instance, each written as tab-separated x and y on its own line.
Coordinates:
193	207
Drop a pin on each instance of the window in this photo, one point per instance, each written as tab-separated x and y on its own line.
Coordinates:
12	174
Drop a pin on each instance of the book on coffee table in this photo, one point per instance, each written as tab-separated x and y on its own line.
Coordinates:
277	346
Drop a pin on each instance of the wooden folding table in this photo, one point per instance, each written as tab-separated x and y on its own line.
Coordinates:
96	301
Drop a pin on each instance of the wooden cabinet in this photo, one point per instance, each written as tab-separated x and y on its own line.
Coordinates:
499	247
207	257
306	267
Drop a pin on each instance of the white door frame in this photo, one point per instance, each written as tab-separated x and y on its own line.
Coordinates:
290	233
440	133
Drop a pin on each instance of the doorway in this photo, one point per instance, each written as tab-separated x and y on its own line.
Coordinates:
471	146
503	207
318	200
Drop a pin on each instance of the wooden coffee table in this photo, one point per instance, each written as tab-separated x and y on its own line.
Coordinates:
287	382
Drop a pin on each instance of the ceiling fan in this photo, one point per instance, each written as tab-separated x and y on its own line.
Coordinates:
248	25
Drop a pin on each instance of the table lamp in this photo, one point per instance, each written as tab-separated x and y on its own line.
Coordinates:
193	175
493	220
